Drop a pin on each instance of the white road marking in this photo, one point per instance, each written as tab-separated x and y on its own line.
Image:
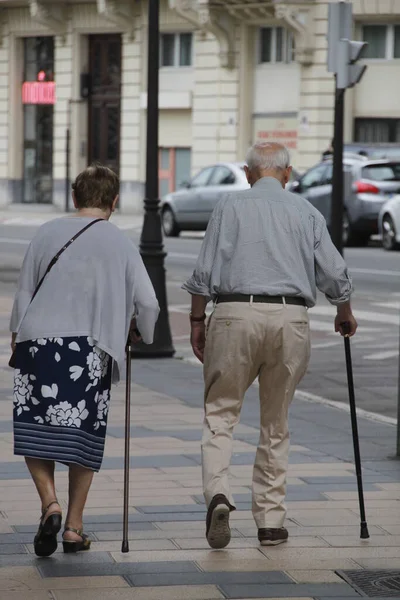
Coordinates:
382	355
182	255
308	397
374	272
394	305
362	315
4	240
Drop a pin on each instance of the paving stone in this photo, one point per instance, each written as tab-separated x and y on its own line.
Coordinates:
12	549
183	592
217	578
182	508
310	576
25	595
61	569
289	590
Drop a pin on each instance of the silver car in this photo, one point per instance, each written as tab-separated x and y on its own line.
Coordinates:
368	185
190	207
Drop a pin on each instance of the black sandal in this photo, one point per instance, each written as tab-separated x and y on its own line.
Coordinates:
45	542
71	546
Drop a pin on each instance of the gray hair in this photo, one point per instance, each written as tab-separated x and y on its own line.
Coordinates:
268	156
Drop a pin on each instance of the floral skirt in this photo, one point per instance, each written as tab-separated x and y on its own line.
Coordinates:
61	400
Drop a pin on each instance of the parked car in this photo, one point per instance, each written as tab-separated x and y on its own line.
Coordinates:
368	185
389	223
190	207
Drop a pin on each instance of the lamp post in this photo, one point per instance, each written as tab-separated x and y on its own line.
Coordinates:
151	241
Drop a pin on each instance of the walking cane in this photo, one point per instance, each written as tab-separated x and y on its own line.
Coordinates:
125	542
357	457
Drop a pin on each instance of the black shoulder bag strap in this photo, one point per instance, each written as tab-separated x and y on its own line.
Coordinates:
57	256
51	265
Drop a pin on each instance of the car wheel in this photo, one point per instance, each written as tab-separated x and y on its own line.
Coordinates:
351	237
389	234
169	224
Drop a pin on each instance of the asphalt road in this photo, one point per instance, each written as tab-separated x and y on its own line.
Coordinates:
376	303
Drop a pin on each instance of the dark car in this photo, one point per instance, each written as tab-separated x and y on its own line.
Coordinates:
368	185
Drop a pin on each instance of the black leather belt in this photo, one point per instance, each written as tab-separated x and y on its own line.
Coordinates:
262	299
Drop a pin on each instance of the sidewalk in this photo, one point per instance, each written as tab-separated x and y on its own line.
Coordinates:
36	215
169	558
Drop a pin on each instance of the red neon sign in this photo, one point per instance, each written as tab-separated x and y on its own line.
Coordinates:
39	92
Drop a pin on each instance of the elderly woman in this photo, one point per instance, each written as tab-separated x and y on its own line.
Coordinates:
69	340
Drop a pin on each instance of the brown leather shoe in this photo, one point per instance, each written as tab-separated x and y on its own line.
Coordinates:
218	532
272	536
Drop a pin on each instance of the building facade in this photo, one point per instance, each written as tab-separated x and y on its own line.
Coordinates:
231	72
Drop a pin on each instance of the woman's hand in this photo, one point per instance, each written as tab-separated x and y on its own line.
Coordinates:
13	344
134	333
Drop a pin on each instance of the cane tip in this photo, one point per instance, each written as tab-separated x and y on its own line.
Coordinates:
125	547
364	531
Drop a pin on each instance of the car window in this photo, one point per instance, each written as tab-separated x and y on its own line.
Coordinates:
222	176
314	177
389	172
202	178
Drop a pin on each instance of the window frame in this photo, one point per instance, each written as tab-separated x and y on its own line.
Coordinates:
389	41
177	50
287	47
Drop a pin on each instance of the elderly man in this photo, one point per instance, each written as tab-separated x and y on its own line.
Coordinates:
265	253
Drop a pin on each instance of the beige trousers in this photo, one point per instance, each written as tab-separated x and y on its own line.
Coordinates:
246	341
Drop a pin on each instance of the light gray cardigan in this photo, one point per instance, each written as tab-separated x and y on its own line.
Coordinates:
94	289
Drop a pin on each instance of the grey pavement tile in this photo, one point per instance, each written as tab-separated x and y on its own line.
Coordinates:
59	569
84	558
138	462
16	538
17	475
220	579
6	426
299	590
93	528
175	508
136	432
12	549
367	478
388	466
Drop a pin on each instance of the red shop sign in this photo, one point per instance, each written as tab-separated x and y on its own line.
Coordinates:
39	92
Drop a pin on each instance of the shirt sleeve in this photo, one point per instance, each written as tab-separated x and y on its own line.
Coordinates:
331	274
27	283
199	283
146	308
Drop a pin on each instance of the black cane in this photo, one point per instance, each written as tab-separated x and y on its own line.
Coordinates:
356	443
125	542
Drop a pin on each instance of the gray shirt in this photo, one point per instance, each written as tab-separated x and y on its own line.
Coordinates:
94	289
268	241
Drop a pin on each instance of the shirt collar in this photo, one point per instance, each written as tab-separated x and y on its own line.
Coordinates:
269	182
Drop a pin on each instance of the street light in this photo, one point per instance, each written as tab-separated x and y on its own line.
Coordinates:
151	241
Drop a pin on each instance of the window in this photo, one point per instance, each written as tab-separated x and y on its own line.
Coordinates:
383	41
377	131
174	169
38	123
276	45
222	176
202	178
314	177
176	50
390	172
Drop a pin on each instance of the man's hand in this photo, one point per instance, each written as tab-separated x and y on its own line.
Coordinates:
134	334
198	339
345	315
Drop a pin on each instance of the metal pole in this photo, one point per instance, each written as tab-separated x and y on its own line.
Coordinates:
151	242
67	168
337	203
398	408
125	526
